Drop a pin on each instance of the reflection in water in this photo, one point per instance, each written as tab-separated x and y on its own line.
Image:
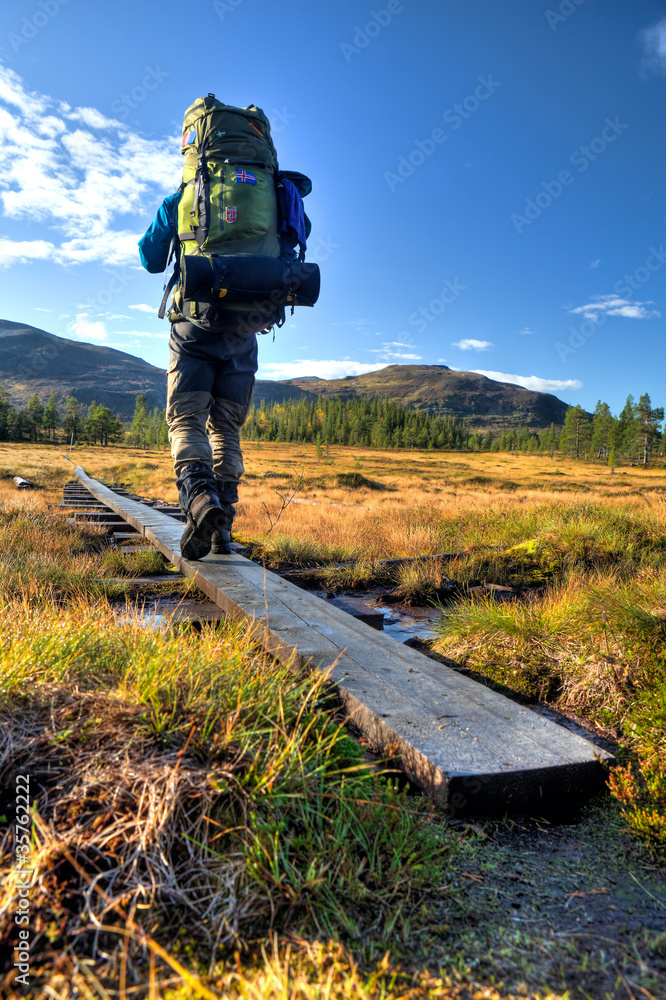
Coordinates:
405	623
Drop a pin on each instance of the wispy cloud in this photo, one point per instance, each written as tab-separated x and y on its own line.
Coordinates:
612	305
142	307
653	41
324	369
594	264
534	382
469	344
387	353
525	332
79	172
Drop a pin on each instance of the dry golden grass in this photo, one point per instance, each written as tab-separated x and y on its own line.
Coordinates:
420	490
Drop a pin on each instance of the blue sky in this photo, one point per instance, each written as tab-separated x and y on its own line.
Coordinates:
488	176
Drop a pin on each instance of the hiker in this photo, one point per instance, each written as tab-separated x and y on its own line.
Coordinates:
236	268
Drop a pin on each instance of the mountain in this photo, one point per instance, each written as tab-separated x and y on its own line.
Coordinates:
480	401
34	361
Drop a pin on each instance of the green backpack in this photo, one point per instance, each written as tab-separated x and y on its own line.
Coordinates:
232	273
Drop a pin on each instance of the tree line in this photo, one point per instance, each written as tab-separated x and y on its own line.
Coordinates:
634	435
76	423
380	423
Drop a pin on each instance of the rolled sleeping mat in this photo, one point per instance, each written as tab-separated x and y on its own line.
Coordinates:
248	277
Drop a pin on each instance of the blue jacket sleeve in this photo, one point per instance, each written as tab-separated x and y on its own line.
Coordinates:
155	242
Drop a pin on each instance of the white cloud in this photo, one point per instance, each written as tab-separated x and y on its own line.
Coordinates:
41	309
142	307
441	361
611	305
22	251
594	264
469	344
77	171
653	40
93	118
534	382
525	331
324	369
387	354
86	329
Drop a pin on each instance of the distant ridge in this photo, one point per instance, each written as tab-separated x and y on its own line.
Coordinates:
480	401
34	361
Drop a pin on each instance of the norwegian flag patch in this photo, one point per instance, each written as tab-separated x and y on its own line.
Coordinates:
189	138
245	177
230	214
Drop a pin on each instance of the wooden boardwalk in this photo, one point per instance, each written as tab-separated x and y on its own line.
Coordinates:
473	750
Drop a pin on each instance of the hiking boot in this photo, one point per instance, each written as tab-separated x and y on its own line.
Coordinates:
228	494
221	542
204	517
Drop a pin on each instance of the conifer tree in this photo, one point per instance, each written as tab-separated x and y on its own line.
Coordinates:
602	426
6	413
576	432
51	417
626	431
649	419
73	419
34	416
140	421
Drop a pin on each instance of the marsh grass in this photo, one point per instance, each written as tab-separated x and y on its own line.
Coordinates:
593	644
185	787
144	741
116	562
201	782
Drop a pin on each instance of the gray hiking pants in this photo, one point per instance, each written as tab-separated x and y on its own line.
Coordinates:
210	382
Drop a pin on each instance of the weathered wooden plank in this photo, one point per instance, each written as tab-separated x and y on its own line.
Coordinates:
469	747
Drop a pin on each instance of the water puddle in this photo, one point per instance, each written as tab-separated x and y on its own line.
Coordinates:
400	621
403	623
160	613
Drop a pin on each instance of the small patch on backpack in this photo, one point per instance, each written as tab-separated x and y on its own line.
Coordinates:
230	214
220	133
189	138
245	177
